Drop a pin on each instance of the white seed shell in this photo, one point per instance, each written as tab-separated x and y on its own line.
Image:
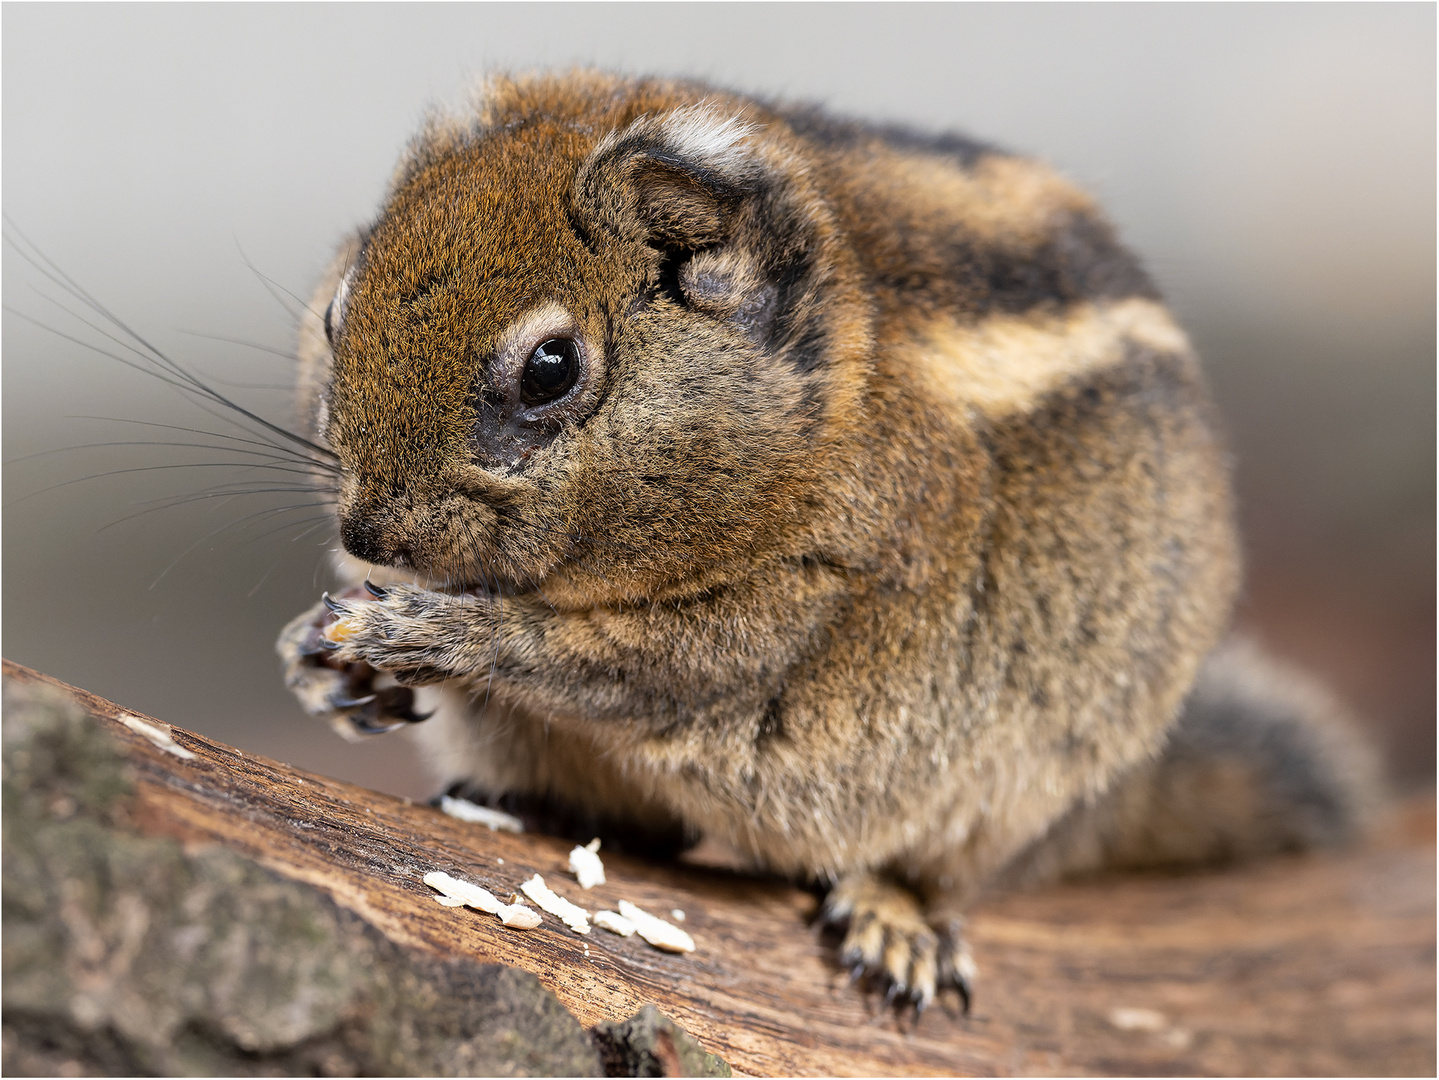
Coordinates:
586	866
656	931
519	916
156	732
457	892
572	915
481	815
614	922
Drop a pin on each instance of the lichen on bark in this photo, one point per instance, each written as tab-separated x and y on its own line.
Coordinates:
651	1044
129	954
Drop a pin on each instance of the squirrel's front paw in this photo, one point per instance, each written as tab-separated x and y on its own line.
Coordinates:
887	937
350	695
416	635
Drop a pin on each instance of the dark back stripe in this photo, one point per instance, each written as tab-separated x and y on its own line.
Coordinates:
923	257
843	134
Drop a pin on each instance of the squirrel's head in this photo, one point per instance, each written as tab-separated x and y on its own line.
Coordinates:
596	337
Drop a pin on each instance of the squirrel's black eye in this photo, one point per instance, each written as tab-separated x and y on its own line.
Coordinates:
550	371
329	322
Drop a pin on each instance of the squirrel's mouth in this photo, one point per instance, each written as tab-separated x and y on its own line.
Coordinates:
489	588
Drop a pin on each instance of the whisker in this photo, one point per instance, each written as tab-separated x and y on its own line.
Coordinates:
94	348
320	522
330	462
275	459
264	578
194	497
156	356
314	521
184	382
173	562
144	469
213	532
271	285
283	354
279	448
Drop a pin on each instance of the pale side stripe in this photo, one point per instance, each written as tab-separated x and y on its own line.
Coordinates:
1005	363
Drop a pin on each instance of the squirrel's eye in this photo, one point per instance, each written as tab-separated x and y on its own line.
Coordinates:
329	322
550	371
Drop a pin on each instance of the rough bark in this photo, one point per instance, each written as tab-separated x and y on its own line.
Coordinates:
219	913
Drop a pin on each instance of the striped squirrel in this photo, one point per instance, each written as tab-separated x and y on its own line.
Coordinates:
841	493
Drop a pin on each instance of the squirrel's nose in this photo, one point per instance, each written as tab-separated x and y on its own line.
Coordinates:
365	538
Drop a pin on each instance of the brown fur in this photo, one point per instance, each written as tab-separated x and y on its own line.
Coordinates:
884	525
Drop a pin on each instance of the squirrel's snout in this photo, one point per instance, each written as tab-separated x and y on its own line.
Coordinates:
367	539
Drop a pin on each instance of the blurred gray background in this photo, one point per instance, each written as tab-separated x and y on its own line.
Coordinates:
190	166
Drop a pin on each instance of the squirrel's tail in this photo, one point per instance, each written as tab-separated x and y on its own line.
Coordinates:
1261	760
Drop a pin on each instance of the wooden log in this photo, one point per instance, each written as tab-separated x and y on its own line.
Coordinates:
1305	965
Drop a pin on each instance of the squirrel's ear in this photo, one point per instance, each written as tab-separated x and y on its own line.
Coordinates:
675	178
741	236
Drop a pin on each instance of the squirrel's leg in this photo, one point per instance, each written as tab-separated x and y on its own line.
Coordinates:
888	937
618	664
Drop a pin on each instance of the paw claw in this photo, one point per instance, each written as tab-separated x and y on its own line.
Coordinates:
371	727
375	591
398	702
311	649
344	701
334	605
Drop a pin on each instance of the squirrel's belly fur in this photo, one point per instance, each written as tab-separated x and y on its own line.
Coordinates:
843	494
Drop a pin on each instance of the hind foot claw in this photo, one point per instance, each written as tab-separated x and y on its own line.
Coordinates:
956	964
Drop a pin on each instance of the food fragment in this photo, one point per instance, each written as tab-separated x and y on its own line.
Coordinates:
573	916
156	732
339	630
1137	1019
614	922
586	866
519	916
656	931
457	893
481	815
677	915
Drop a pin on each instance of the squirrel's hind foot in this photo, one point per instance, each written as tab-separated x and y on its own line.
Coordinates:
888	939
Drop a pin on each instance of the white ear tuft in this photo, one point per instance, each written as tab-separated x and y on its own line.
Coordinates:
704	133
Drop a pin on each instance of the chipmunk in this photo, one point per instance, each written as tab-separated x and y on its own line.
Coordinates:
845	494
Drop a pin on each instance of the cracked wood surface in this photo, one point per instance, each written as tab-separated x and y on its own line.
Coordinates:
1312	965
